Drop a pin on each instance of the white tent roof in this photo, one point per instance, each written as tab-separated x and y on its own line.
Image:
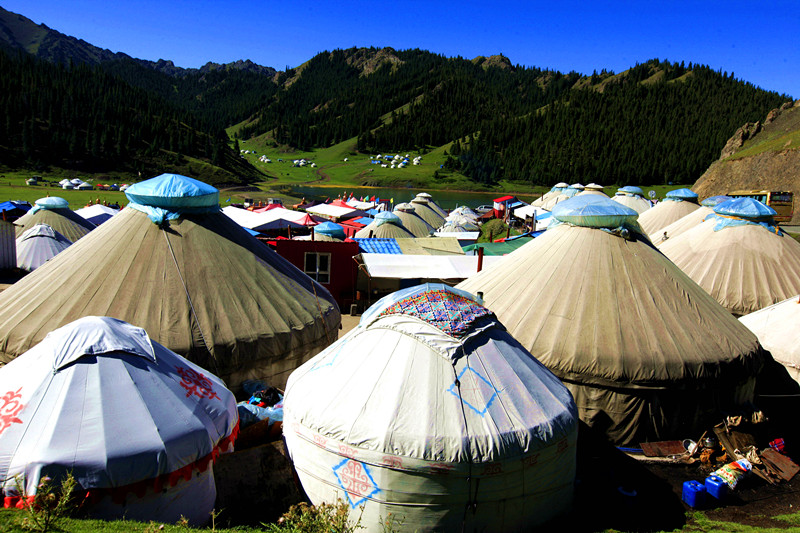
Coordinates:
663	214
333	211
99	399
398	266
419	400
776	327
38	245
96	213
638	203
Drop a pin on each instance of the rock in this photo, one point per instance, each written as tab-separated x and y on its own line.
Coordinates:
739	138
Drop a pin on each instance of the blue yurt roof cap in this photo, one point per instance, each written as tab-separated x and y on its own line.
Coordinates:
594	211
169	196
712	201
749	208
682	194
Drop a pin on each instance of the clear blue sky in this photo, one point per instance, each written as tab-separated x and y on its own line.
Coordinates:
759	41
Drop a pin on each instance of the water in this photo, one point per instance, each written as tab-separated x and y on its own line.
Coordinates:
445	199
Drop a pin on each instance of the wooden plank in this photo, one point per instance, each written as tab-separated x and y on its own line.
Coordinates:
662	448
784	467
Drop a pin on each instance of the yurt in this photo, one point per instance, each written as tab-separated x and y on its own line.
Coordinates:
412	222
566	194
689	221
552	193
776	327
38	245
138	426
96	213
325	232
54	212
8	246
675	206
633	197
645	351
386	225
426	212
739	256
432	204
594	188
427	408
197	282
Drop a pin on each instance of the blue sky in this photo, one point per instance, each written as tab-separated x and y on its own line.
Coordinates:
758	41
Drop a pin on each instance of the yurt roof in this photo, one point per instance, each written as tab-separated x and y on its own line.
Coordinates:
682	195
638	203
681	225
99	399
776	327
745	265
413	222
198	283
712	201
38	245
426	212
409	347
331	229
663	214
54	212
386	225
631	189
568	312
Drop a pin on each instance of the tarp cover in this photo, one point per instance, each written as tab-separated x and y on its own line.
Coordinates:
168	196
50	202
331	229
631	189
745	267
428	405
200	285
38	245
646	352
595	211
98	399
711	201
681	195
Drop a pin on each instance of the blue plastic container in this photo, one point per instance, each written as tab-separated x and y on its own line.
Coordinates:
694	494
716	487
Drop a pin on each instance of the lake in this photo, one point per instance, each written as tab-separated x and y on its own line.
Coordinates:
445	199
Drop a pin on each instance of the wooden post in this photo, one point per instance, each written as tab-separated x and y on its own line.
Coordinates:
480	258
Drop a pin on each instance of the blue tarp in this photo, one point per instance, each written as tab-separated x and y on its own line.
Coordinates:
387	216
378	246
11	205
679	195
594	211
712	201
331	229
170	196
50	202
631	189
744	211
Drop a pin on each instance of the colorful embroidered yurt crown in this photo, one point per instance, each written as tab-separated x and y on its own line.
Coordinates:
445	310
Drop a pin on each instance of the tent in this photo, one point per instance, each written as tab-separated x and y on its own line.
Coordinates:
97	213
172	263
432	204
386	225
54	212
426	212
646	352
689	221
429	406
411	221
739	256
594	188
675	206
556	190
38	245
776	329
137	425
633	197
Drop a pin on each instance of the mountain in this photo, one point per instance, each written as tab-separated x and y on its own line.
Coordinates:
761	155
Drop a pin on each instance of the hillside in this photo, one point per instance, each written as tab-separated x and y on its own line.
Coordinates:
760	155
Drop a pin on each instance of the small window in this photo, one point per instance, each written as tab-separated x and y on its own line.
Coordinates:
318	266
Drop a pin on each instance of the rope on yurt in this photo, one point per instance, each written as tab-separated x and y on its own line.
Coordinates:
471	499
186	290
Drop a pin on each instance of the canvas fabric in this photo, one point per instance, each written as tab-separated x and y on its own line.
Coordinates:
663	214
201	286
776	327
63	220
681	225
413	223
607	313
745	267
427	213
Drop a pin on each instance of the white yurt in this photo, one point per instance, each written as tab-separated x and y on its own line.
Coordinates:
647	354
567	193
412	221
633	197
594	188
38	245
776	327
689	221
428	408
385	225
675	206
552	193
739	256
54	212
138	426
173	263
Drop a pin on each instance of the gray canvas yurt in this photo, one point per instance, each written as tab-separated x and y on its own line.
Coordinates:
432	204
386	225
633	197
172	263
675	206
739	256
689	221
427	408
54	212
412	221
38	245
645	351
426	212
